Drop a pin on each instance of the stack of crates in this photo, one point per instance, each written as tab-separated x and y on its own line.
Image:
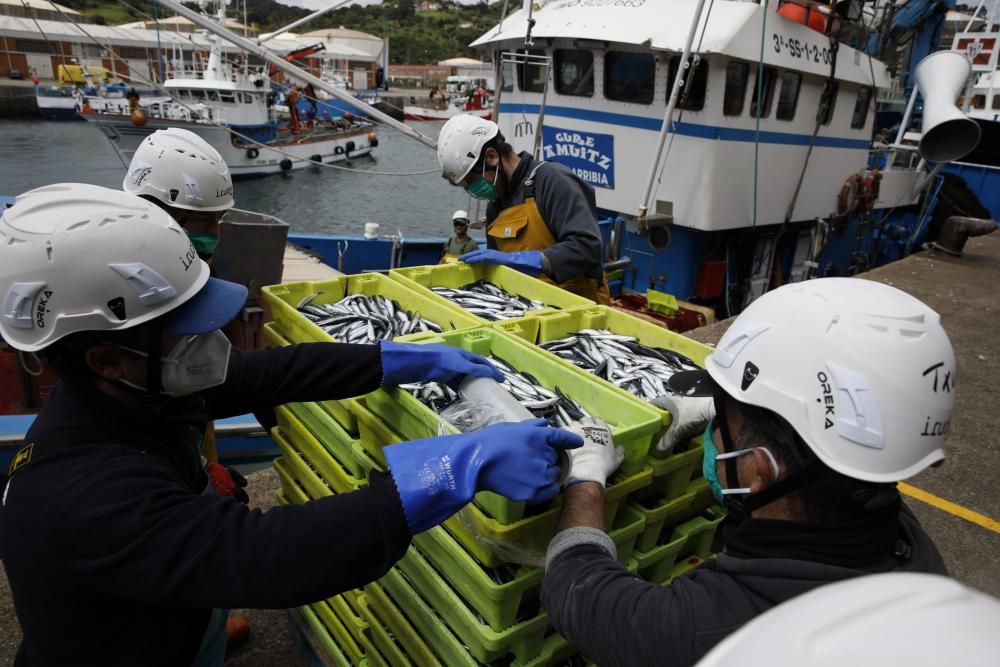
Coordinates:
467	592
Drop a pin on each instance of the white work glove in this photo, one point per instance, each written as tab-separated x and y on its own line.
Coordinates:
598	458
690	416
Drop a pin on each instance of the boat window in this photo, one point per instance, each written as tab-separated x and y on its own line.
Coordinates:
198	94
629	77
227	97
828	98
531	76
763	91
574	72
736	88
788	98
861	108
978	101
213	95
507	77
695	92
247	98
996	102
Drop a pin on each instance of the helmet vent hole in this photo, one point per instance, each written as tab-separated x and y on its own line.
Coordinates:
48	250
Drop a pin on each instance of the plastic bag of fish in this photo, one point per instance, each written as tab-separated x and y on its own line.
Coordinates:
488	301
364	319
549	404
641	370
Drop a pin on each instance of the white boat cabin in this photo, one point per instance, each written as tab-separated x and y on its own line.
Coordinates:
612	68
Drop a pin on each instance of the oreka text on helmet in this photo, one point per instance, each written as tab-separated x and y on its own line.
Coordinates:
827	400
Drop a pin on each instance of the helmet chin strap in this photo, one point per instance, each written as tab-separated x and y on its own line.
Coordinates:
741	508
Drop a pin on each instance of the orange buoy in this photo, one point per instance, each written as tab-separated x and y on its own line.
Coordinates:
138	118
806	16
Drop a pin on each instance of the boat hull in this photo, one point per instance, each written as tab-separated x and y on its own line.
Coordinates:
285	154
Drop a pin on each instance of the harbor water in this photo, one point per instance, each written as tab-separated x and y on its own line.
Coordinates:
322	200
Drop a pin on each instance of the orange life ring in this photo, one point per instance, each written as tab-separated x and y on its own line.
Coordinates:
849	198
871	186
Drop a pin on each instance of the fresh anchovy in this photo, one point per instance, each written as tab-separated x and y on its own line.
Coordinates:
622	360
364	319
549	404
489	301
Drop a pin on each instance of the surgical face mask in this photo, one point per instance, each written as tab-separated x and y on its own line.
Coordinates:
483	189
204	243
195	363
709	469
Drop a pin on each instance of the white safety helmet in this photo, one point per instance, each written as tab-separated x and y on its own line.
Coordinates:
77	257
897	618
180	169
460	216
460	143
862	371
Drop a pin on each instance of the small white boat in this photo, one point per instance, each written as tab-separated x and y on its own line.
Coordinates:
229	108
476	104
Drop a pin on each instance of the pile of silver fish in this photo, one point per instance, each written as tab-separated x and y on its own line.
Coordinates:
364	319
552	405
622	360
488	301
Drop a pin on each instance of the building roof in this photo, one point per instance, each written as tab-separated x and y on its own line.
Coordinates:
40	4
341	33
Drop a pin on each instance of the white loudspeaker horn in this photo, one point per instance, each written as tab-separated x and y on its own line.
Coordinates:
947	133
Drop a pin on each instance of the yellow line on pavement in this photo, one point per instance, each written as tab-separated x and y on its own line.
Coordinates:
950	507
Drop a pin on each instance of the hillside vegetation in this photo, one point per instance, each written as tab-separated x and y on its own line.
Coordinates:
415	37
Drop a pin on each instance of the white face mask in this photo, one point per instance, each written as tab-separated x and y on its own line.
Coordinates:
195	363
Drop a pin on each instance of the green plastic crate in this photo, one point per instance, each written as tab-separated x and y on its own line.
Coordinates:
459	274
655	564
432	630
493	543
291	490
328	432
385	648
556	325
664	515
497	603
379	610
523	639
661	302
340	479
691	539
319	633
625	530
633	422
285	298
374	433
672	473
703	499
338	409
299	468
338	632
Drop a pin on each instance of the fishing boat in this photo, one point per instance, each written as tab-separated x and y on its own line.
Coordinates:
475	105
230	108
62	102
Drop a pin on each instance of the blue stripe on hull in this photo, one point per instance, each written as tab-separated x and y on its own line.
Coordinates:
688	129
59	114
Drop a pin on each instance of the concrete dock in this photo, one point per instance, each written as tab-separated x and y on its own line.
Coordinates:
958	502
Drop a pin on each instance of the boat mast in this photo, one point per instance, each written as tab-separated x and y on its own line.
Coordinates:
294	71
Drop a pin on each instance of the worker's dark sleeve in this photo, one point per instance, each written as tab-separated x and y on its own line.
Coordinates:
136	530
261	379
611	615
570	212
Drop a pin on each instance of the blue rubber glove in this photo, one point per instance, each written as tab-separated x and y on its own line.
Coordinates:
525	261
409	362
436	477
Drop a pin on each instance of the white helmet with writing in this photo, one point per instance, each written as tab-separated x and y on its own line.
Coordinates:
460	143
180	169
77	257
862	371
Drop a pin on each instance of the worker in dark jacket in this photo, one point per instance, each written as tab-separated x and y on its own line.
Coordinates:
116	549
541	219
825	393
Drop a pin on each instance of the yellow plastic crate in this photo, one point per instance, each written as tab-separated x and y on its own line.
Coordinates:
328	468
284	300
460	274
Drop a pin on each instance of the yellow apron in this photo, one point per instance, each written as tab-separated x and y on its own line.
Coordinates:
521	227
